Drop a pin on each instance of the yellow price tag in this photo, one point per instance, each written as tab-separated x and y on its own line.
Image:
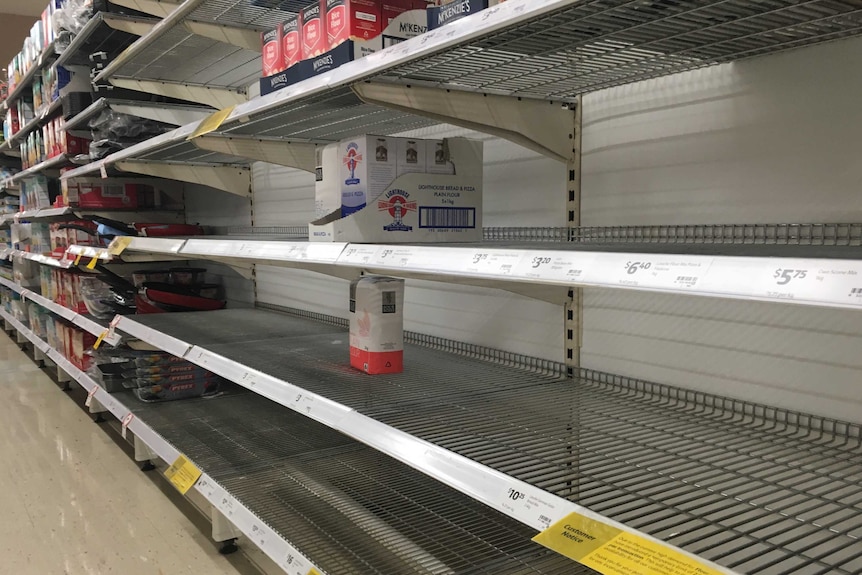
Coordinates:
93	262
183	474
612	551
100	339
78	259
119	245
313	571
211	123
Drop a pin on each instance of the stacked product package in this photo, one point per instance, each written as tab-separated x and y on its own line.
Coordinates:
329	33
153	375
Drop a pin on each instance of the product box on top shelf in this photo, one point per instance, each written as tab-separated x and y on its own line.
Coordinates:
380	207
291	42
450	10
313	29
271	51
404	25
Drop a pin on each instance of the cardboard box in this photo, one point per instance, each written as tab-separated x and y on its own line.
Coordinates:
453	10
271	51
367	168
313	30
327	189
106	194
391	9
352	20
411	156
80	342
291	42
377	324
416	208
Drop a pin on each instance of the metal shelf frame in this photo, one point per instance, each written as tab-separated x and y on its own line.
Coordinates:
244	519
176	114
103	29
8	253
56	162
82	321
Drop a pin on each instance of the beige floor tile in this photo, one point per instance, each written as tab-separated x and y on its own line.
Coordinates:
71	502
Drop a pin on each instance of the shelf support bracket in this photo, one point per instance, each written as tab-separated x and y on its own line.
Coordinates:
232	179
216	97
244	38
129	26
300	155
159	8
575	306
143	451
538	125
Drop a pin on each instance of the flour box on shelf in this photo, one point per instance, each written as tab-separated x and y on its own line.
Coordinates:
313	30
377	324
410	208
272	57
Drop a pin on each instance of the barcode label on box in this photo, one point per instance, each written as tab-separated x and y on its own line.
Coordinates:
388	302
447	217
113	191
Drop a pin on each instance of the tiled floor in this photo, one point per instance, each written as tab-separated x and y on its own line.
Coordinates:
71	501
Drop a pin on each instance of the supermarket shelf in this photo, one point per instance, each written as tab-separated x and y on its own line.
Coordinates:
290	559
84	322
104	33
44	114
68	213
176	114
172	53
65	264
52	163
787	504
45	57
807	275
158	250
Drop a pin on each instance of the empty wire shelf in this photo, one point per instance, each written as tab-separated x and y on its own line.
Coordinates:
752	494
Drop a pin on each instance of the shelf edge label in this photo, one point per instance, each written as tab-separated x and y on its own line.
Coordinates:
183	474
211	123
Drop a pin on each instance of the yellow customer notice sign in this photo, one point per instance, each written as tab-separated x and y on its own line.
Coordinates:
612	551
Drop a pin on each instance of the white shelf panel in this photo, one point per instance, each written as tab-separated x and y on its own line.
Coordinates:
79	320
176	114
538	508
52	163
38	258
804	281
275	547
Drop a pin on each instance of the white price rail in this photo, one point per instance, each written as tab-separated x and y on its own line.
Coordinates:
537	508
275	252
79	320
288	557
41	259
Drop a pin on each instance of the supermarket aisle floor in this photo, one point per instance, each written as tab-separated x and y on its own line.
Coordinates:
71	501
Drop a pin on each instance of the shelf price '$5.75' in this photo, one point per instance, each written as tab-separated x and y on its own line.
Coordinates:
784	277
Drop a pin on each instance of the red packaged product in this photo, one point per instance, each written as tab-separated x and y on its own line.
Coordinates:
291	42
313	29
103	194
351	20
271	48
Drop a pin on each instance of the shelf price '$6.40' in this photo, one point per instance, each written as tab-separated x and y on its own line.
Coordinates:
784	277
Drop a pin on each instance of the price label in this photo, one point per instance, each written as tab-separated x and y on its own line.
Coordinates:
89	401
100	339
206	487
528	505
659	271
119	245
358	255
93	262
783	276
248	379
260	535
125	424
492	262
103	171
78	258
556	266
211	123
227	506
183	474
295	563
